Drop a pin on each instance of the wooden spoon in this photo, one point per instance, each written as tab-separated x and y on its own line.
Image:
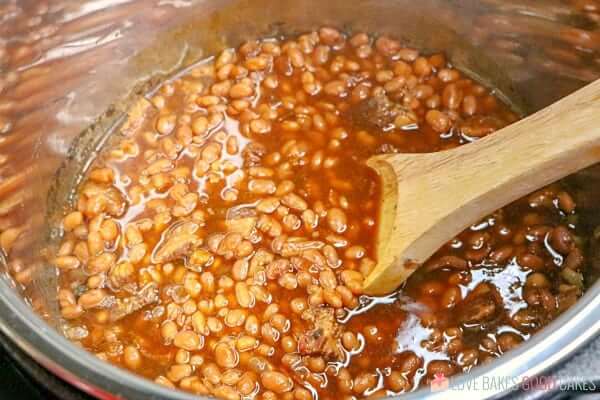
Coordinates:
428	199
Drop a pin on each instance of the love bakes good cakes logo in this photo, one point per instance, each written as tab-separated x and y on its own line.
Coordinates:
511	383
439	382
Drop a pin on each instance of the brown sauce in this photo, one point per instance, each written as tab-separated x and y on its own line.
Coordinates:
219	247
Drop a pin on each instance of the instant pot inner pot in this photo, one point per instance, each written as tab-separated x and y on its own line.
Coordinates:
53	161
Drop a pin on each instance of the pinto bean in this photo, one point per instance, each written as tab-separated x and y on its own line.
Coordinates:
561	239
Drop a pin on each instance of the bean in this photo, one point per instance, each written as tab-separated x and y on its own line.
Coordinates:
337	220
331	256
332	298
243	296
179	371
289	344
261	186
276	381
330	36
445	368
410	364
345	383
451	297
285	187
109	230
199	323
350	341
246	343
327	279
537	279
438	120
211	373
72	220
91	299
363	382
453	262
67	262
397	382
240	270
296	58
561	239
468	357
355	252
247	383
469	105
168	331
226	392
347	295
260	126
214	325
566	202
102	175
235	318
298	305
531	261
240	90
256	63
421	67
268	205
200	125
335	88
95	243
572	277
244	249
292	222
386	46
252	326
132	357
165	124
507	341
383	76
71	311
502	254
226	356
187	340
294	201
288	281
310	219
452	96
211	152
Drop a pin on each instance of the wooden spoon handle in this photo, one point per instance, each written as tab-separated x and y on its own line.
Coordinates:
548	145
529	154
438	195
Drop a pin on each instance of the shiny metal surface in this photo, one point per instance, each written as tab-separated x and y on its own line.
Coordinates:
64	62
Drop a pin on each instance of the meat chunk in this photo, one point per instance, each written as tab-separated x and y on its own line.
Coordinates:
253	153
176	242
103	198
480	126
483	305
381	113
244	225
295	248
478	310
123	307
324	337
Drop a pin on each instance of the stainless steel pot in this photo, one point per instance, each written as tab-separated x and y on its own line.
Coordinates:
64	63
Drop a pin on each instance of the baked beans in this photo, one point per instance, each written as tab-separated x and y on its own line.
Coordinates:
221	246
